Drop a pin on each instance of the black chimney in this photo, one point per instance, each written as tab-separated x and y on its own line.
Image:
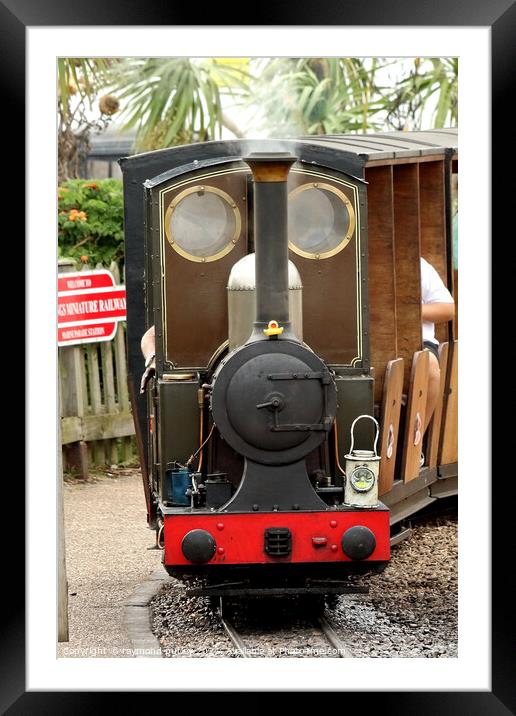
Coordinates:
270	174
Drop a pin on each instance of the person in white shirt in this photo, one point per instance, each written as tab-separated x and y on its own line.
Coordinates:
438	306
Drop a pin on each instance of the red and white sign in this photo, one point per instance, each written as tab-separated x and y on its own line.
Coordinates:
89	306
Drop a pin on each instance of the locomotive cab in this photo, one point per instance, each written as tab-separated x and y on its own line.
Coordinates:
252	264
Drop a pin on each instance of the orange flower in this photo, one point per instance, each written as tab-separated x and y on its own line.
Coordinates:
91	185
76	215
84	259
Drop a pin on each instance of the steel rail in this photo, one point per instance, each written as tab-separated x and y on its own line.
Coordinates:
232	632
333	638
326	628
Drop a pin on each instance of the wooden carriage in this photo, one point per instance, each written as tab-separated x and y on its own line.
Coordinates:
361	297
410	215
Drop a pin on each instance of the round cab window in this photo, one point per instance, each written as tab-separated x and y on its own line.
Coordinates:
321	220
202	223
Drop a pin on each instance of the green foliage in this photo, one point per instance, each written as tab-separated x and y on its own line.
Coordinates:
81	77
177	100
173	100
428	83
297	96
311	96
78	82
90	221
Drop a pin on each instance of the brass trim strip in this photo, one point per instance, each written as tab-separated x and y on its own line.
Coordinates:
177	376
271	172
225	197
352	220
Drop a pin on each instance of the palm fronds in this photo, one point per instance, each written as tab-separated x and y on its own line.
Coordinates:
174	100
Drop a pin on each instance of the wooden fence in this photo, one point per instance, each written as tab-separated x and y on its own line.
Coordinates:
96	421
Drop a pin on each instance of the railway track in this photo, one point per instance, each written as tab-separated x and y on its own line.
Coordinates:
411	610
323	626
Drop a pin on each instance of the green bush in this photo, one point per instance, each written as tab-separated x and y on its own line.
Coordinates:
90	221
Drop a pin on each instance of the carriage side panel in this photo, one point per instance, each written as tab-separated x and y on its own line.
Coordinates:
381	258
433	224
407	268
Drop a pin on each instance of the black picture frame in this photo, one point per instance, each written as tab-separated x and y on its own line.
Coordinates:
500	16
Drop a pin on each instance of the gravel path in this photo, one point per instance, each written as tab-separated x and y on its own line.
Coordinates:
190	627
410	611
106	559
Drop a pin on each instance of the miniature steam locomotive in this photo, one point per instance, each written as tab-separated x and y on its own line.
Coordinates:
279	439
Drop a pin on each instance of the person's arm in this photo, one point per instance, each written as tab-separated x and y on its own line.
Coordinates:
437	302
148	346
437	312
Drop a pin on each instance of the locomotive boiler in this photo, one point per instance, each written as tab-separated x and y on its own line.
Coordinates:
254	265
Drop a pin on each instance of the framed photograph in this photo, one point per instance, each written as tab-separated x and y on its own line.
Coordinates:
34	35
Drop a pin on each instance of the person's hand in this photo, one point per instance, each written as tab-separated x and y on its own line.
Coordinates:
149	372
